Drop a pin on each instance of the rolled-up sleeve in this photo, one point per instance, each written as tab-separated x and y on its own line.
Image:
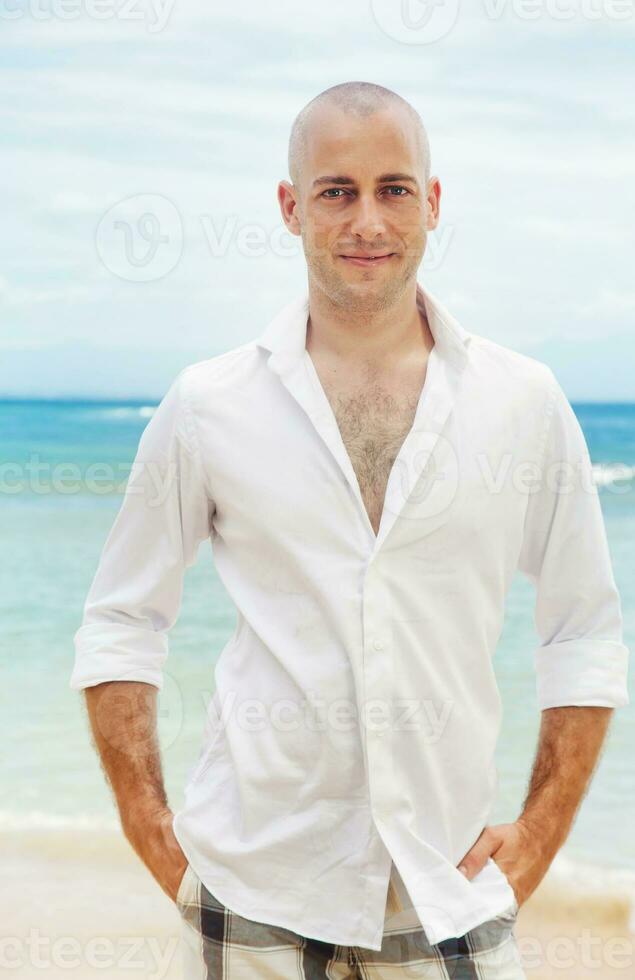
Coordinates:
581	659
136	593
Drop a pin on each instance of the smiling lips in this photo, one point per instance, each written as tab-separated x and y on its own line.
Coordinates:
366	260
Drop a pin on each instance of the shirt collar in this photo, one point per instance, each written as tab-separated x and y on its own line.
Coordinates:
285	335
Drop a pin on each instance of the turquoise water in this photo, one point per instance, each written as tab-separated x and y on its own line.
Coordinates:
56	514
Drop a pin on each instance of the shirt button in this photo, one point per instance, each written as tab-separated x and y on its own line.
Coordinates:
378	645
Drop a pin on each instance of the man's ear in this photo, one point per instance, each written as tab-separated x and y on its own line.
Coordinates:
288	199
434	203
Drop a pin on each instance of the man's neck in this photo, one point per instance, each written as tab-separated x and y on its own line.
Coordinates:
388	337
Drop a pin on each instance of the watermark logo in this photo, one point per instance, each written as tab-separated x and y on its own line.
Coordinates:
415	21
427	21
153	14
424	484
140	239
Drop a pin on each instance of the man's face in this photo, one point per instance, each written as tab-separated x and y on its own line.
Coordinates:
365	210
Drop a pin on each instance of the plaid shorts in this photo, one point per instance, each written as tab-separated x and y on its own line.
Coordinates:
219	944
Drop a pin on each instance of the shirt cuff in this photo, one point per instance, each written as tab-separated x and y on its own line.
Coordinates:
582	672
115	652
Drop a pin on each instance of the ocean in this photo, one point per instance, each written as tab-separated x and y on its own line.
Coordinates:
64	467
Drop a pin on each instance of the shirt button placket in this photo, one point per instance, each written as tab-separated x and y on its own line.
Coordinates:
378	689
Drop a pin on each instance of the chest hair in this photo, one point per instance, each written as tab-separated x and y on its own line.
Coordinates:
374	419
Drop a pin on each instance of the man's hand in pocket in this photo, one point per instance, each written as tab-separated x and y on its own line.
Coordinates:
152	837
517	851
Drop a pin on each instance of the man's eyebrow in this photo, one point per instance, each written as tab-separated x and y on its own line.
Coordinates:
382	179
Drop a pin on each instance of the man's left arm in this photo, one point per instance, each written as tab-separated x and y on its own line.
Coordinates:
581	663
569	746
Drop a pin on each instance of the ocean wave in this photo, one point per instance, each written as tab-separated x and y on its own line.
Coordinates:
589	876
116	413
40	820
125	412
596	885
607	473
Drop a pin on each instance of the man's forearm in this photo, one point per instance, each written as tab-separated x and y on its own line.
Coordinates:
569	746
123	718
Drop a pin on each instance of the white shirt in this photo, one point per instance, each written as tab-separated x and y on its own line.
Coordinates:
294	816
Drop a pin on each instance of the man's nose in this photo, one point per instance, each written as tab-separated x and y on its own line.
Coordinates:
367	220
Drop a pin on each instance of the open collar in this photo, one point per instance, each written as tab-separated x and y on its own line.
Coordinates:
285	335
407	495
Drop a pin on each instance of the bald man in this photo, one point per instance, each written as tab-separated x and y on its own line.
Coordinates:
364	576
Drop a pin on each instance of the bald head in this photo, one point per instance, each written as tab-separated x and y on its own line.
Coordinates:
358	99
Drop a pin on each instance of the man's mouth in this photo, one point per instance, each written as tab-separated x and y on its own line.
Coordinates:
366	260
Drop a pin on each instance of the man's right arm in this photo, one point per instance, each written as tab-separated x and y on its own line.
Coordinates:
123	720
132	603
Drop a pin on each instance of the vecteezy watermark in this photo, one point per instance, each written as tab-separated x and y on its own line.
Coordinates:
137	717
427	21
152	480
314	713
249	240
415	21
153	13
585	951
140	239
425	484
144	954
253	240
291	722
425	487
561	10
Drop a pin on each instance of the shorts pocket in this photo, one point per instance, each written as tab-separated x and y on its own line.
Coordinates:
182	893
510	912
513	908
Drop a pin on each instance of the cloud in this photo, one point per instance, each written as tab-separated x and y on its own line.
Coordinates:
534	152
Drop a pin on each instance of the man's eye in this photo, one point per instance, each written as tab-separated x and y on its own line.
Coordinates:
334	192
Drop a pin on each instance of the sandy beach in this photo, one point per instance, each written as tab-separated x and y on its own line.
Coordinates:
81	904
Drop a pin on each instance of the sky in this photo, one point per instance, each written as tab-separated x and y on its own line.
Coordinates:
142	142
